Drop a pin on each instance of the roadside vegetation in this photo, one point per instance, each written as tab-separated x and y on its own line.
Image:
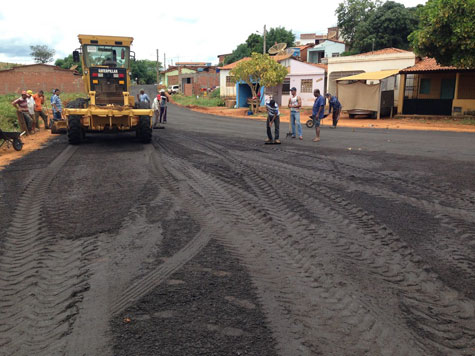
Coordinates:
8	117
213	99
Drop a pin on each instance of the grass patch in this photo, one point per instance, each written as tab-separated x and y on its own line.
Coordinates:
207	101
8	118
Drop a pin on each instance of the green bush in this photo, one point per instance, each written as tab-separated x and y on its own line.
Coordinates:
8	117
200	101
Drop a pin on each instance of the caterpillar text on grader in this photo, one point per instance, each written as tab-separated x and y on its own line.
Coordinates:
109	107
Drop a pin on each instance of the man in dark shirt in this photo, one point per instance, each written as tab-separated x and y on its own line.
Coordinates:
317	113
335	104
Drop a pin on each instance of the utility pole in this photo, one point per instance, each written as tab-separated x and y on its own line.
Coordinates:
264	51
158	70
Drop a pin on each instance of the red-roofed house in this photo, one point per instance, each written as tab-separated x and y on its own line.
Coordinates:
432	89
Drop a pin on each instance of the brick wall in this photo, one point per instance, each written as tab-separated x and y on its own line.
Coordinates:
172	80
39	77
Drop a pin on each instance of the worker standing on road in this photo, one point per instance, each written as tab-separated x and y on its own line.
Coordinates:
336	105
57	106
156	110
31	108
22	106
39	101
163	107
273	118
295	103
317	113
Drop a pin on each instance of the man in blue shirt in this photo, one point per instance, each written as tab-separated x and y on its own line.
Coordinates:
57	106
317	112
143	97
336	105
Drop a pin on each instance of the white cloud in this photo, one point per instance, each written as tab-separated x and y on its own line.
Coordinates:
184	30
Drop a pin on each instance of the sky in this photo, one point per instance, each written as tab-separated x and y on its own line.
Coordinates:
183	30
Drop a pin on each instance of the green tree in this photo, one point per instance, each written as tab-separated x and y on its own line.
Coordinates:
260	70
388	25
279	34
255	42
42	53
351	13
446	32
240	52
67	63
145	71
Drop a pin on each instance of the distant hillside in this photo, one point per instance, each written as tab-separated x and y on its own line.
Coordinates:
4	65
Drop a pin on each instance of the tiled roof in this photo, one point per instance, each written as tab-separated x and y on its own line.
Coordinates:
234	64
277	58
383	51
307	36
429	65
319	65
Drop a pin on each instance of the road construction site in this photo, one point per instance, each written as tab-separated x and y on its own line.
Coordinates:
208	242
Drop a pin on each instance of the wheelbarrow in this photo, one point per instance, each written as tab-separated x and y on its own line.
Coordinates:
11	138
310	121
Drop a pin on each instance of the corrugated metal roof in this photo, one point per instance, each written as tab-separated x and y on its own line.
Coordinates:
372	75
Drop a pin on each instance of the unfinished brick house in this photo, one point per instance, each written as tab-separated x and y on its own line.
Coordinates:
39	77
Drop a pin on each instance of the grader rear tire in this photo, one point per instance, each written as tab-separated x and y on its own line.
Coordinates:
75	132
144	131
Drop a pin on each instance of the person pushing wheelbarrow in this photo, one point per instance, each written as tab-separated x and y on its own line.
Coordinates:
273	118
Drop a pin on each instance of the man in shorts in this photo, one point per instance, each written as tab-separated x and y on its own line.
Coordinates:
317	113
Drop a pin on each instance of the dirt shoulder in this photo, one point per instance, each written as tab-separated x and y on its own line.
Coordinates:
30	143
434	124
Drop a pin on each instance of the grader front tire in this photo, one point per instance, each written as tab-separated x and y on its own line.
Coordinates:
144	131
75	132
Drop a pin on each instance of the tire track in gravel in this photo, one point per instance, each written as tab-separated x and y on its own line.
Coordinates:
464	233
174	180
447	340
42	277
309	337
421	290
447	195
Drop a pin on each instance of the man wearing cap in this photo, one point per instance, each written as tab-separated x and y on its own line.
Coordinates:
163	107
295	103
22	106
336	105
273	118
39	101
31	108
156	110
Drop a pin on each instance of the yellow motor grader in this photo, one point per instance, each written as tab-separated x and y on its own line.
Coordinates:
109	106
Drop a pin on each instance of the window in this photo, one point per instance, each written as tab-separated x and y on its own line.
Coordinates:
229	82
425	86
336	54
286	87
306	86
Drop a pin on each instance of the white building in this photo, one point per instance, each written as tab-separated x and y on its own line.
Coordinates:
384	59
305	77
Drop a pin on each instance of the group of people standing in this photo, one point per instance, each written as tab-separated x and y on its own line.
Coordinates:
30	106
159	106
295	104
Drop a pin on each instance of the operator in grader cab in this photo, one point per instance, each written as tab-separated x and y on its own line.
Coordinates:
109	106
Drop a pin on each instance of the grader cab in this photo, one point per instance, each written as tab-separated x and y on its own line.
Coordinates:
109	106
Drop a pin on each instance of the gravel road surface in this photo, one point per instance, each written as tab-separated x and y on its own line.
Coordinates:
208	242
